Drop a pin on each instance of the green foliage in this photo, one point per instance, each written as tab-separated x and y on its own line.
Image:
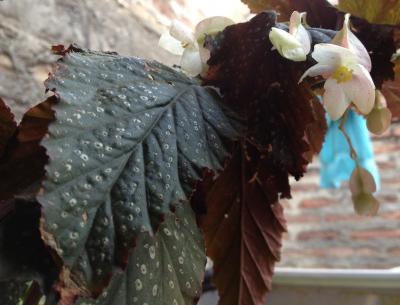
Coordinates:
130	140
166	269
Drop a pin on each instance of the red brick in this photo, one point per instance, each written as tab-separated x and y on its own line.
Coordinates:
386	164
344	217
326	235
316	203
393	180
375	234
386	147
395	215
302	218
391	198
305	187
394	251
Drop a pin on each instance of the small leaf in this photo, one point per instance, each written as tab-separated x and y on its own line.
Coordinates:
166	269
381	12
130	140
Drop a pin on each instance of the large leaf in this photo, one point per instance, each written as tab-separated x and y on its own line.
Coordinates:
375	11
319	12
166	269
285	126
130	140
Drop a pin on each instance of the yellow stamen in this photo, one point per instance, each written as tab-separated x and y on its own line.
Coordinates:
342	74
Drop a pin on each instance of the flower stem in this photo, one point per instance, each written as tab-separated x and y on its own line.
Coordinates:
353	153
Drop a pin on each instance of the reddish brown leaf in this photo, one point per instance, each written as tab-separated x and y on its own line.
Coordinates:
319	12
243	229
7	125
285	127
22	165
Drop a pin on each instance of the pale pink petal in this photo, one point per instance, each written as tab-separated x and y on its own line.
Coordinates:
170	44
347	39
294	22
358	48
360	89
333	55
191	61
181	32
334	99
303	36
318	69
211	26
297	29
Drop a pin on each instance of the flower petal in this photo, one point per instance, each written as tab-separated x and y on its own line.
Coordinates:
318	69
333	55
287	45
303	36
191	61
335	101
297	29
360	89
211	26
347	39
170	44
181	32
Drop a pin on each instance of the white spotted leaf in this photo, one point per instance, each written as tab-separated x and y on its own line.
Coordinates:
130	139
165	270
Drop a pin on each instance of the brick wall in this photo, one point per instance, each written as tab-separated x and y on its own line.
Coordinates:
324	231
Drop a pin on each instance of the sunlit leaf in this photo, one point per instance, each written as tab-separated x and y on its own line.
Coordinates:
375	11
166	269
130	140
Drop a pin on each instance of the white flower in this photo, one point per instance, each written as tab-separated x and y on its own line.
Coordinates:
180	40
295	44
345	64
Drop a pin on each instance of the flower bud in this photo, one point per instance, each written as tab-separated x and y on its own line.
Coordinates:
379	119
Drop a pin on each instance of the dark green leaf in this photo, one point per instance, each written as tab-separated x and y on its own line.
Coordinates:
166	269
130	140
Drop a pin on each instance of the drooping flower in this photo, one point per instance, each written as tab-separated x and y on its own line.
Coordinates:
295	44
180	40
345	64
